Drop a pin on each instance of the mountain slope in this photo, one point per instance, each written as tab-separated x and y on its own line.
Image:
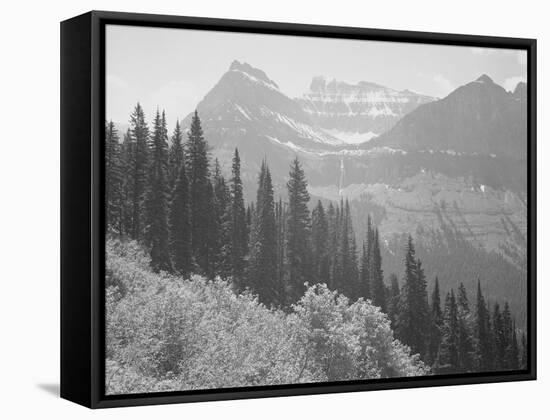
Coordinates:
477	118
356	113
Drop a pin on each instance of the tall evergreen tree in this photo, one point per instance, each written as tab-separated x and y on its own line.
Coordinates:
393	299
499	338
512	358
412	324
127	167
348	272
238	229
448	354
175	156
377	287
262	267
483	354
114	202
299	231
465	343
280	226
366	261
319	244
180	225
139	171
156	201
524	352
200	187
221	225
333	247
436	325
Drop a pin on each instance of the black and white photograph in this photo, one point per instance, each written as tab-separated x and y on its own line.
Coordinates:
285	210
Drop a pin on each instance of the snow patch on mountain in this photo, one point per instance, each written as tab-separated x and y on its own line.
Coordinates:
347	137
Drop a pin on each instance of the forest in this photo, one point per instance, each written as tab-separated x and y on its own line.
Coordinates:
283	282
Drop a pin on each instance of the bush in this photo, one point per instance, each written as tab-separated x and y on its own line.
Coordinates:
166	333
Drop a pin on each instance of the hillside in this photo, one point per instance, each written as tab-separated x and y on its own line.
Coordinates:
168	334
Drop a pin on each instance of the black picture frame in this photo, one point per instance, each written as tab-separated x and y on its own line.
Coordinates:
82	206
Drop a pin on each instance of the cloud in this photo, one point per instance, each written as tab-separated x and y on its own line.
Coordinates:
443	84
511	82
114	81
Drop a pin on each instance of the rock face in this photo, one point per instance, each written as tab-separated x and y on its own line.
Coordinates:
357	113
450	172
480	117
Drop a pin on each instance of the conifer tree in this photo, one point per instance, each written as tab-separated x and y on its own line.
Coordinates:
524	352
262	268
113	180
238	228
139	171
127	165
364	272
512	351
319	244
175	156
200	187
465	343
499	339
448	354
377	287
366	261
180	225
482	334
280	226
156	201
412	324
349	279
436	325
299	232
393	299
221	225
333	247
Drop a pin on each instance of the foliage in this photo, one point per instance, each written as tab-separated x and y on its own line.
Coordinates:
166	333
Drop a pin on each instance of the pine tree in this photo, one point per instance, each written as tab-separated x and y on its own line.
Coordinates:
333	247
377	287
448	354
319	244
436	325
499	339
280	226
127	166
524	352
364	272
393	299
175	156
412	326
299	231
200	187
114	203
180	225
348	273
238	228
512	351
221	242
156	201
262	267
482	334
139	171
465	343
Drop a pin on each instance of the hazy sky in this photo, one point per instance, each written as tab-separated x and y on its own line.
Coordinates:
175	68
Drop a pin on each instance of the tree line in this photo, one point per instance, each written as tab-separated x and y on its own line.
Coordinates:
168	195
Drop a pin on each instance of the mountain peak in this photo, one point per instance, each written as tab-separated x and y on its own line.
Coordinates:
252	72
484	79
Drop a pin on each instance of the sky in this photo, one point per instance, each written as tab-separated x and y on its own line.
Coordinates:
173	69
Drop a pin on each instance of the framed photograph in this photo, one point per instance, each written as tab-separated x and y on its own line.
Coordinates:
256	209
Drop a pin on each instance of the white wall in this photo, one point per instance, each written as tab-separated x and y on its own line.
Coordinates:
29	236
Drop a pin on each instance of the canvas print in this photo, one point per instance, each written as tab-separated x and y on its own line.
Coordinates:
288	210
